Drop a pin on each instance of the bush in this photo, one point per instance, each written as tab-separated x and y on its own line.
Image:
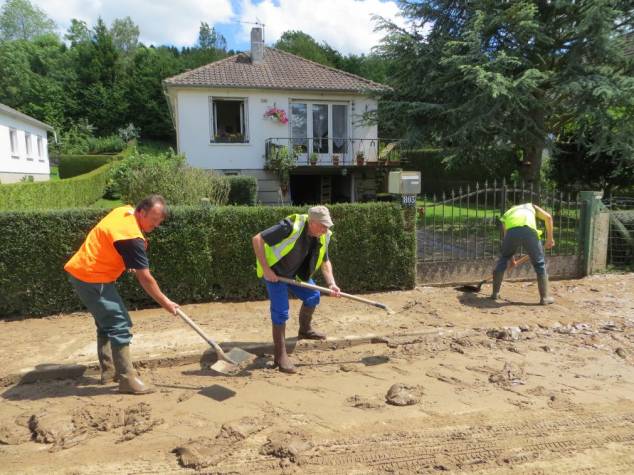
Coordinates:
243	190
75	192
200	254
109	144
74	165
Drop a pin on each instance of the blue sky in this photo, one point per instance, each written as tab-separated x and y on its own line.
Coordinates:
344	24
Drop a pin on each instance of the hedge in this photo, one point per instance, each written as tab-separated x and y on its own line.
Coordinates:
78	191
200	254
74	165
244	190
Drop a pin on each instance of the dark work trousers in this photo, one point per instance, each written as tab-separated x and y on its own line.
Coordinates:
525	237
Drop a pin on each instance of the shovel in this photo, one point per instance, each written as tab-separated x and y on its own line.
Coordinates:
227	362
325	290
478	287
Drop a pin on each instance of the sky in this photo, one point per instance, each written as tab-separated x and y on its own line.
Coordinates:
346	25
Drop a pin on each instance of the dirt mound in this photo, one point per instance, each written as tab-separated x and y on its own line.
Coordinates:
287	445
403	395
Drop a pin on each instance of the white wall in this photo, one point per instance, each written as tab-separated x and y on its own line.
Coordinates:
14	167
192	107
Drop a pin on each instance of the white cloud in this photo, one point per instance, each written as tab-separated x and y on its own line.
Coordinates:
346	25
160	21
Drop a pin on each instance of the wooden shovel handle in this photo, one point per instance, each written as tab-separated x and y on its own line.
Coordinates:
197	329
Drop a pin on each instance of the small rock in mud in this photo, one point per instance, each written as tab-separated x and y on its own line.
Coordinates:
346	368
363	403
138	420
402	395
621	352
241	429
506	334
510	374
202	452
289	445
546	348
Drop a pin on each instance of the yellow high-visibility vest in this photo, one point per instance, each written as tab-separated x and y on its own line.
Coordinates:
274	254
521	215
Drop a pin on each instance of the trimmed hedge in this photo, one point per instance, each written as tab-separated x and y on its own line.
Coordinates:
244	190
75	165
78	191
200	254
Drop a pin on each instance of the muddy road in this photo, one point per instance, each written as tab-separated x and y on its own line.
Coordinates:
454	383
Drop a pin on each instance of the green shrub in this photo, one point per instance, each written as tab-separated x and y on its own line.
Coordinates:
244	190
109	144
74	192
74	165
199	254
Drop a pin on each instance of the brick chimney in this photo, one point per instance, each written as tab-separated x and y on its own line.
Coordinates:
257	45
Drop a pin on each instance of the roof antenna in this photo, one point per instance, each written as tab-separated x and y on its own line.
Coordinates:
256	22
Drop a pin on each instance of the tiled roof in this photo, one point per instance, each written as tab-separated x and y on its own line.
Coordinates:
278	70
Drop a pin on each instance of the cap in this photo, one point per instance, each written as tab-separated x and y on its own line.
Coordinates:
321	215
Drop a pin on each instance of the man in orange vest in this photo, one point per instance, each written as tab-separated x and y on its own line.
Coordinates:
115	244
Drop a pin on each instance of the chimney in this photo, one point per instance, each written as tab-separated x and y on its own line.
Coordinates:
257	46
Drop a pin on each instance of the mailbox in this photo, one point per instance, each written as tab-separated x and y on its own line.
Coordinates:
404	183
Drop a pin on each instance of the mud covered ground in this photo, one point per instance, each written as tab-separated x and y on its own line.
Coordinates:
456	383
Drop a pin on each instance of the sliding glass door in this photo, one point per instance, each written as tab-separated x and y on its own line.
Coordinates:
320	128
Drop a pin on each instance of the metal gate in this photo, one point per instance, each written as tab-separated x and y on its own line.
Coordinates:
621	236
459	236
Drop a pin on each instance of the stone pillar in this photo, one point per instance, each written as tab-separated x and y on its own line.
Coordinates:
594	231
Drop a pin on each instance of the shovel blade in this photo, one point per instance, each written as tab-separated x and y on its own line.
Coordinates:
237	357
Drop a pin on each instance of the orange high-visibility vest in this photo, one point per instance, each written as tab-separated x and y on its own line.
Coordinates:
97	260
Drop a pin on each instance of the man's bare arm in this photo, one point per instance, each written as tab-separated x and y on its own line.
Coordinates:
546	217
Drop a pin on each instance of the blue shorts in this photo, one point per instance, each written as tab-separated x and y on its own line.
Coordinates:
278	294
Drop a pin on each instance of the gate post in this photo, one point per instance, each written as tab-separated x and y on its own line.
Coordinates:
594	228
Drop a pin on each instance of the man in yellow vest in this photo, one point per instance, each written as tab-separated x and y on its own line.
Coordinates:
520	229
295	248
115	244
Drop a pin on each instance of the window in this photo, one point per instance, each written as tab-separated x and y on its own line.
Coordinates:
29	146
229	120
40	148
15	152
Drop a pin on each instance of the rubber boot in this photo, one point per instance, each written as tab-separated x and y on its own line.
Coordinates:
306	332
498	277
106	365
281	359
129	381
542	284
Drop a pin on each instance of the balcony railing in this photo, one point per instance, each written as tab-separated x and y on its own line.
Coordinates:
316	151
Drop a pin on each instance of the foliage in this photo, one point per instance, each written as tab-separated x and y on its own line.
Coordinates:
110	144
281	161
21	20
199	254
208	38
471	76
75	165
243	190
74	192
129	132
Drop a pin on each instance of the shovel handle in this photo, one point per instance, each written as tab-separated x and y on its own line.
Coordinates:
197	329
328	291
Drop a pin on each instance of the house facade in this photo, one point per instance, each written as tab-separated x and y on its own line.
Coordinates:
235	114
23	147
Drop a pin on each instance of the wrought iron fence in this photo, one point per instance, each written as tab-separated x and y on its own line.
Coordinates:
317	151
621	235
464	224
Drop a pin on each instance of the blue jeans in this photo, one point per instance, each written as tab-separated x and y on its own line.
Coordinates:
107	308
527	238
278	294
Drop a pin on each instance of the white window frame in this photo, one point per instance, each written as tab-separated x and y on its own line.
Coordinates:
40	148
244	119
309	122
15	145
29	146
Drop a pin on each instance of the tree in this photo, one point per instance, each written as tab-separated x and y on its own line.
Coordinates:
20	20
78	32
301	44
479	76
125	35
208	38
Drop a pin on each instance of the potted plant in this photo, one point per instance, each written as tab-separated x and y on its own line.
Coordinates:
360	158
335	159
281	161
313	159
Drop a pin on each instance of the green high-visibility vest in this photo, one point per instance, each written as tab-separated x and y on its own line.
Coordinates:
276	252
521	215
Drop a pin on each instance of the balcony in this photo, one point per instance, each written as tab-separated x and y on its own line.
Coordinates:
336	152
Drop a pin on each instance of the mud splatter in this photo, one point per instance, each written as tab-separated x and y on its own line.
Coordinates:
361	402
287	445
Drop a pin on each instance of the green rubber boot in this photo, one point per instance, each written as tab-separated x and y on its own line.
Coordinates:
542	284
498	277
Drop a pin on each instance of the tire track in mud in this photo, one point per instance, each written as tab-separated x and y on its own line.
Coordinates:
467	448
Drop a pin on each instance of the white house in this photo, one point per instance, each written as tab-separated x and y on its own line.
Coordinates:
23	146
229	116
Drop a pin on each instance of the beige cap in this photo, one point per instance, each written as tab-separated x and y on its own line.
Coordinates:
321	215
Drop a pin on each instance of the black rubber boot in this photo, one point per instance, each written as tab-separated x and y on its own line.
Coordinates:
306	331
498	277
129	381
106	365
281	358
542	284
